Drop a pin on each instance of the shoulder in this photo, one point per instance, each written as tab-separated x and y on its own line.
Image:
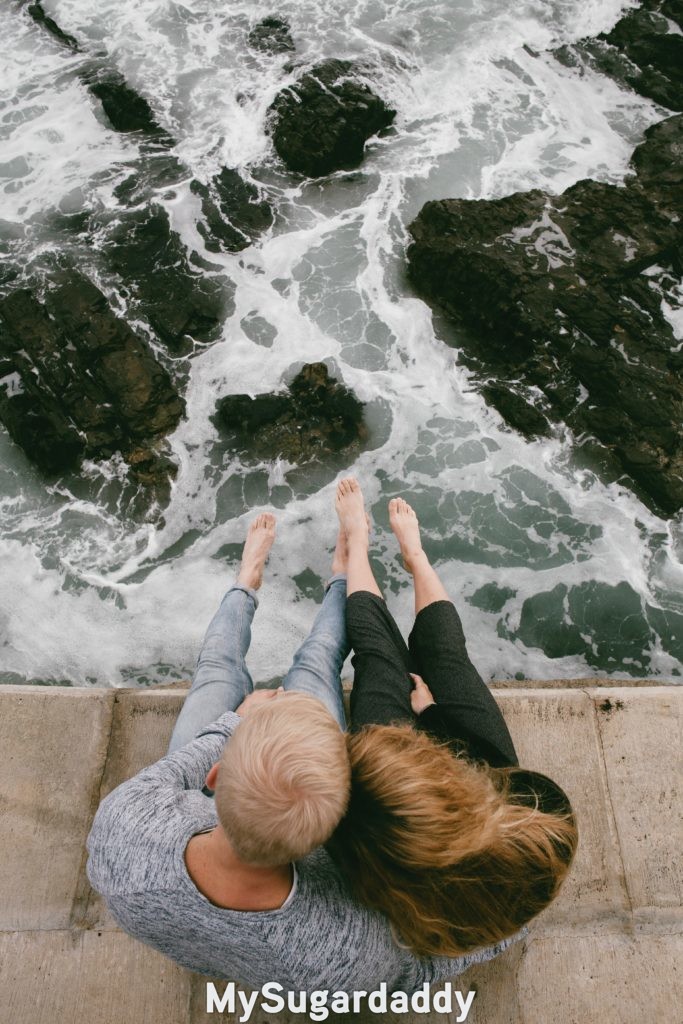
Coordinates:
137	840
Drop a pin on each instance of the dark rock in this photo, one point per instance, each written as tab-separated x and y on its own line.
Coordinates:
151	468
139	389
322	122
271	35
151	173
551	288
640	51
516	411
176	300
82	382
38	425
125	109
316	417
37	13
235	213
659	162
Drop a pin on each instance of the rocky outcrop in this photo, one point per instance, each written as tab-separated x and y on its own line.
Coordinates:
271	35
235	213
322	122
552	291
37	13
315	417
77	381
644	50
179	302
125	109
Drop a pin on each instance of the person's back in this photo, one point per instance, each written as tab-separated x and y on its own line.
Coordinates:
320	937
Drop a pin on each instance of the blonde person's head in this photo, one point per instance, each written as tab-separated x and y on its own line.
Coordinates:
456	855
283	780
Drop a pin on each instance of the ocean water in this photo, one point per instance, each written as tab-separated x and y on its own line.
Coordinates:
555	572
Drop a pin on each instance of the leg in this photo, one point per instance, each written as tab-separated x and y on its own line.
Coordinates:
437	643
354	522
317	664
222	680
428	586
381	688
381	663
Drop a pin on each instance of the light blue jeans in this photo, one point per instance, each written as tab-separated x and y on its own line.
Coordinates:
222	679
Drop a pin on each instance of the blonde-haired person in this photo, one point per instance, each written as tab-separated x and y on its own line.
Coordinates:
444	834
238	886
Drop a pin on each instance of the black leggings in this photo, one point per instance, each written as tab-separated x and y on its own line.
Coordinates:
436	651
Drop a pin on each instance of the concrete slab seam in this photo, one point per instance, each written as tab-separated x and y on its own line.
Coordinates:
78	915
605	774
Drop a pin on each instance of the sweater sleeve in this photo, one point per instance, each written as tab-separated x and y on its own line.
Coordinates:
129	816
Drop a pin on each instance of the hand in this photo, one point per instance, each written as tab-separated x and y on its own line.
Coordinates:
254	699
421	696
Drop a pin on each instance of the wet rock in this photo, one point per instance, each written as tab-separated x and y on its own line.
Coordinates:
642	51
322	122
271	35
659	163
37	424
125	109
516	411
553	292
317	416
81	381
151	467
37	13
178	302
152	172
235	213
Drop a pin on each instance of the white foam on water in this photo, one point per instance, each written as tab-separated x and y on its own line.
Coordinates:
106	598
51	141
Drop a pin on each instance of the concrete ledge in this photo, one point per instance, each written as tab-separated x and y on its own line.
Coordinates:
606	951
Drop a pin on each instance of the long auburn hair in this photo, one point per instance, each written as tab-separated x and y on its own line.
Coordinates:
457	855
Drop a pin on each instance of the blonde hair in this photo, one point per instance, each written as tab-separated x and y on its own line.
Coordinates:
455	854
283	780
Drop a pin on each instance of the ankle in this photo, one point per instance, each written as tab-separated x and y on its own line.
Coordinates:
249	578
357	533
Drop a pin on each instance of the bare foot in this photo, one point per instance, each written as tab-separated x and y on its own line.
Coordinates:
351	509
405	525
260	537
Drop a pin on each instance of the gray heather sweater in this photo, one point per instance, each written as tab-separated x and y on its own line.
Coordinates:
320	939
